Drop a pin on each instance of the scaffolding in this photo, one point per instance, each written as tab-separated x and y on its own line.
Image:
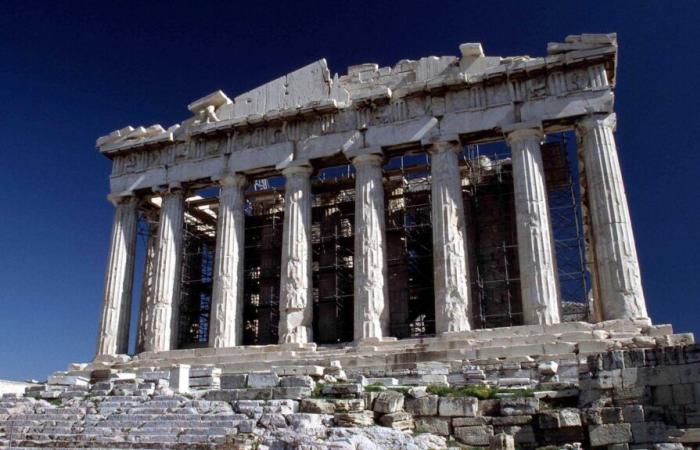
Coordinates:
332	244
487	189
409	246
264	217
567	230
197	272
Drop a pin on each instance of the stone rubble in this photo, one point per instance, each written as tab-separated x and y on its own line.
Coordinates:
622	399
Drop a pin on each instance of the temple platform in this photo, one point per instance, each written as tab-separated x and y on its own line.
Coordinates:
377	358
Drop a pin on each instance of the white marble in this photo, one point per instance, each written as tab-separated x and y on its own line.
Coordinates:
296	304
620	283
226	320
113	334
537	262
452	295
160	331
370	266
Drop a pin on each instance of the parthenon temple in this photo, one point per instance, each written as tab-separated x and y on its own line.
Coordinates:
435	196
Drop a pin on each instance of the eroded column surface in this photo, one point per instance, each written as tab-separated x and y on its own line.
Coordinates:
296	307
370	299
538	282
452	297
620	284
160	332
226	322
113	335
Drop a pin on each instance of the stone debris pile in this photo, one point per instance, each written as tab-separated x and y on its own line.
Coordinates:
623	399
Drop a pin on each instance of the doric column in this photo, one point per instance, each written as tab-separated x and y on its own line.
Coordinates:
226	322
620	284
452	296
113	335
146	284
296	306
538	278
162	314
370	300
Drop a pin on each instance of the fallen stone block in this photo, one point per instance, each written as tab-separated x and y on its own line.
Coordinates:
399	420
262	380
458	406
234	381
388	402
620	433
513	406
433	425
343	389
478	435
423	406
354	419
502	441
297	381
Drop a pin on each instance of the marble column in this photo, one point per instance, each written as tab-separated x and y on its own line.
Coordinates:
296	304
370	268
452	295
113	334
160	332
538	277
620	284
226	322
146	284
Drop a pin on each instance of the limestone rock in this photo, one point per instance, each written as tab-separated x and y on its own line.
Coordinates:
478	435
610	434
458	406
388	402
433	425
400	420
423	406
519	405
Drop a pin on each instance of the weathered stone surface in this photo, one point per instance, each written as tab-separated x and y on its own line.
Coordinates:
400	420
262	380
478	435
354	419
502	441
433	425
458	406
519	405
610	434
388	402
424	406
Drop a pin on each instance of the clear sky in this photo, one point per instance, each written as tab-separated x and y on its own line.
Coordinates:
73	71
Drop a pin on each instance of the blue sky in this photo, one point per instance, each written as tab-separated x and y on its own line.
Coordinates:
73	71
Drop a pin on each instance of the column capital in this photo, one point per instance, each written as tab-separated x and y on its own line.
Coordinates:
368	159
166	189
444	145
354	153
231	180
300	169
597	120
123	198
523	131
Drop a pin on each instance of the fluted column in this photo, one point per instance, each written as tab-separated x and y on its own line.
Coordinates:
296	306
620	284
113	335
226	322
160	332
538	278
452	296
370	270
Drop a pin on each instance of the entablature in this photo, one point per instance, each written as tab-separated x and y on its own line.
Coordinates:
309	115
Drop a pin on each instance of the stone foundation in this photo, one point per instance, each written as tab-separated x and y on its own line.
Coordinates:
630	386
